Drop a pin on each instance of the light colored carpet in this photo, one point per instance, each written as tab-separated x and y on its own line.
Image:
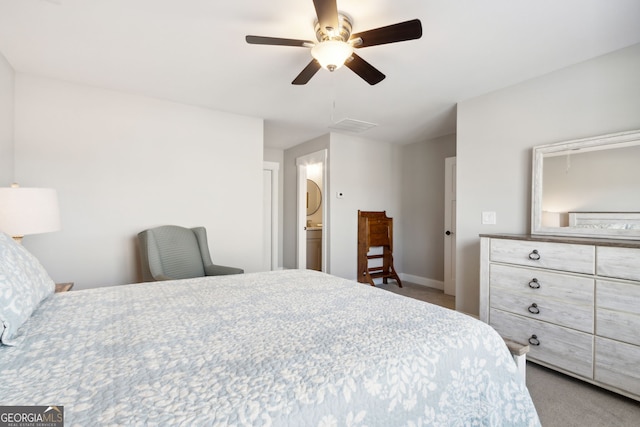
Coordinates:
423	293
561	401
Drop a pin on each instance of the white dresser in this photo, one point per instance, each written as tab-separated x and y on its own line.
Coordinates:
575	301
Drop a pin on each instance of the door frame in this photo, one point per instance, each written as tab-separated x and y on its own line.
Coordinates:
450	226
301	206
273	168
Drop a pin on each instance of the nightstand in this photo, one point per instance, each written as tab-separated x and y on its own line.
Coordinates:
64	287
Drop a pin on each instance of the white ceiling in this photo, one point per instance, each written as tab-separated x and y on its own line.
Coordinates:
194	52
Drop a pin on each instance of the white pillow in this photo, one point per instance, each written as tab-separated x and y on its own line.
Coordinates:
24	284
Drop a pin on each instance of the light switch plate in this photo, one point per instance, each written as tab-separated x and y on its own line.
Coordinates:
489	218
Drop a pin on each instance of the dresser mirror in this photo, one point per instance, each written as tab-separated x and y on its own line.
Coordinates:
588	187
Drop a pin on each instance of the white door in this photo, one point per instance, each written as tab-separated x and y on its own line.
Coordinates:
270	216
450	226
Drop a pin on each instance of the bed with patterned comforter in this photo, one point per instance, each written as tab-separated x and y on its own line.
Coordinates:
287	348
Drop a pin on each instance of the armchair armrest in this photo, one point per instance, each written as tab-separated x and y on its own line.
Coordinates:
221	270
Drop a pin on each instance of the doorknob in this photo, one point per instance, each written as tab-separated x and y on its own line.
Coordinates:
448	233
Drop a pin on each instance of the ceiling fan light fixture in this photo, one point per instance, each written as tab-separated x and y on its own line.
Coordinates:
335	46
332	54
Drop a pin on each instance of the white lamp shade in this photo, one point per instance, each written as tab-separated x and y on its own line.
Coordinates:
28	211
332	54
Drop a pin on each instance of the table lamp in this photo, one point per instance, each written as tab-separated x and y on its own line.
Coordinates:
28	211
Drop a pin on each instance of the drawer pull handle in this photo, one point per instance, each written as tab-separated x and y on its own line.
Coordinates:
533	309
534	340
534	255
534	284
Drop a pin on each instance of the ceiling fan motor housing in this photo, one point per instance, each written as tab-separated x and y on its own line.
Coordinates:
342	33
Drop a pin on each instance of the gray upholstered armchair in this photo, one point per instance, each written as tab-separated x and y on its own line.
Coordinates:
171	252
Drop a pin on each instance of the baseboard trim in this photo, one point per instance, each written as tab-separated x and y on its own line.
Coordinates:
422	281
475	316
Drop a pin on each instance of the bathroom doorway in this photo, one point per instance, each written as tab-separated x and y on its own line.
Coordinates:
312	207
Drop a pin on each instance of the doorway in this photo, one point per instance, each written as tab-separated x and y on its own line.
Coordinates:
312	217
450	226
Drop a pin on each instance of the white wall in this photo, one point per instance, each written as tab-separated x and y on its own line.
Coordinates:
7	76
496	132
367	173
122	163
422	201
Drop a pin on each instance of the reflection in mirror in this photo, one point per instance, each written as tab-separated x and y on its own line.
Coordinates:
588	187
314	197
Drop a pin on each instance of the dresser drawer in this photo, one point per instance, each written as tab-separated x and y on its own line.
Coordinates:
554	256
545	309
534	283
561	347
622	263
617	365
542	295
618	311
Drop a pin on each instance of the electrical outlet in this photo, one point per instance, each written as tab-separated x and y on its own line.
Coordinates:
488	218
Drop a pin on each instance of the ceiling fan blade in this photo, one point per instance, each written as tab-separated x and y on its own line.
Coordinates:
408	30
276	41
327	13
365	70
309	71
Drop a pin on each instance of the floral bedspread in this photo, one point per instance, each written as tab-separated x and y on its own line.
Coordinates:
287	348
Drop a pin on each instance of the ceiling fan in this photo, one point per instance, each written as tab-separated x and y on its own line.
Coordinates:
335	45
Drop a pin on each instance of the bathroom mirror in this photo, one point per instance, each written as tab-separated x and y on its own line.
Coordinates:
314	197
588	187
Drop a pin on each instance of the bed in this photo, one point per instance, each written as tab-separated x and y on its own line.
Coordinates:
605	220
285	348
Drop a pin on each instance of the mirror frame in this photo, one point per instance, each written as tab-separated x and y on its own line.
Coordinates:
609	141
317	187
